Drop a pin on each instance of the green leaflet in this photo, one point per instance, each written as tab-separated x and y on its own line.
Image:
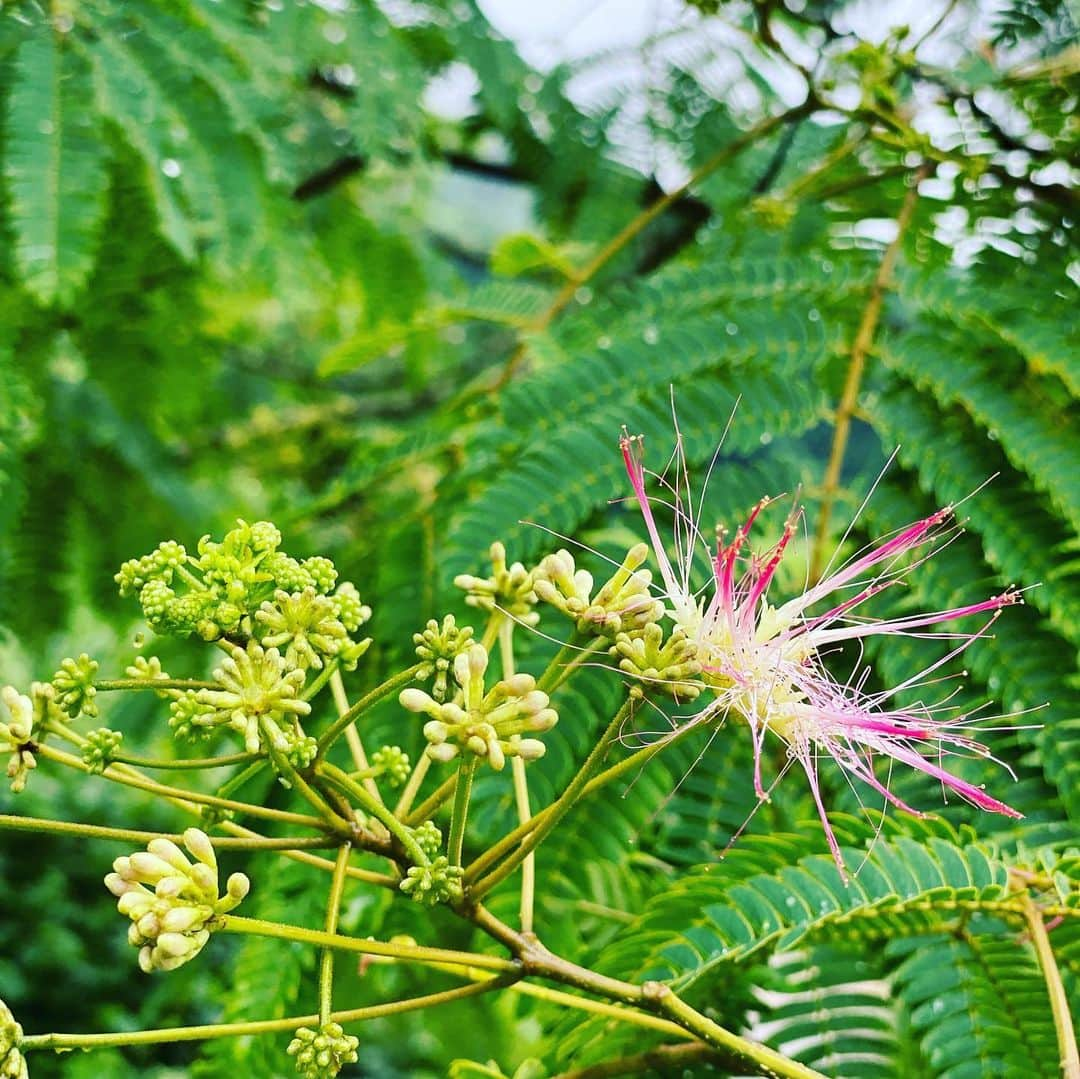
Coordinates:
54	165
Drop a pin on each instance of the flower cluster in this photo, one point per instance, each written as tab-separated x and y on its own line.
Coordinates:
670	666
432	884
764	664
74	683
321	1053
509	589
245	586
624	604
99	749
26	716
259	696
487	724
172	902
12	1062
437	647
392	763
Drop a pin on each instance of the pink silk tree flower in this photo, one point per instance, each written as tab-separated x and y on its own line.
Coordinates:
764	664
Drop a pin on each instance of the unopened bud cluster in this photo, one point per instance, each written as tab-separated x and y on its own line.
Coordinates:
245	586
487	724
437	647
321	1053
428	838
670	666
392	763
432	884
74	683
99	749
172	902
624	604
12	1062
509	589
26	716
258	692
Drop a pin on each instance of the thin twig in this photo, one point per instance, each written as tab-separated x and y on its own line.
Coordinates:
864	338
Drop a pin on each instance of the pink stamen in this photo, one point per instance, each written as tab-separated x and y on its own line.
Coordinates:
972	793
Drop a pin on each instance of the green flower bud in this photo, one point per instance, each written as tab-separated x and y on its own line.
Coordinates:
99	749
322	573
173	905
255	683
74	683
623	604
670	666
488	724
508	589
351	613
321	1053
432	884
393	763
438	646
149	668
12	1062
305	623
15	735
191	719
428	838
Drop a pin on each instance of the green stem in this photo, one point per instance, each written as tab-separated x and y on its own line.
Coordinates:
108	685
133	835
427	808
333	909
559	809
60	1042
337	778
352	735
537	961
234	923
769	1061
462	790
416	779
296	781
560	659
327	866
177	794
636	760
521	789
184	764
331	668
339	725
1059	1000
566	670
234	783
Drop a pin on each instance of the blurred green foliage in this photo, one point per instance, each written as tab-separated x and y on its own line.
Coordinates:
250	268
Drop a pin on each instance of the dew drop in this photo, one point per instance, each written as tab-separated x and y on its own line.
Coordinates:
814	315
603	342
533	83
334	32
171	167
45	127
63	23
826	266
583	295
790	901
731	329
766	437
651	335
